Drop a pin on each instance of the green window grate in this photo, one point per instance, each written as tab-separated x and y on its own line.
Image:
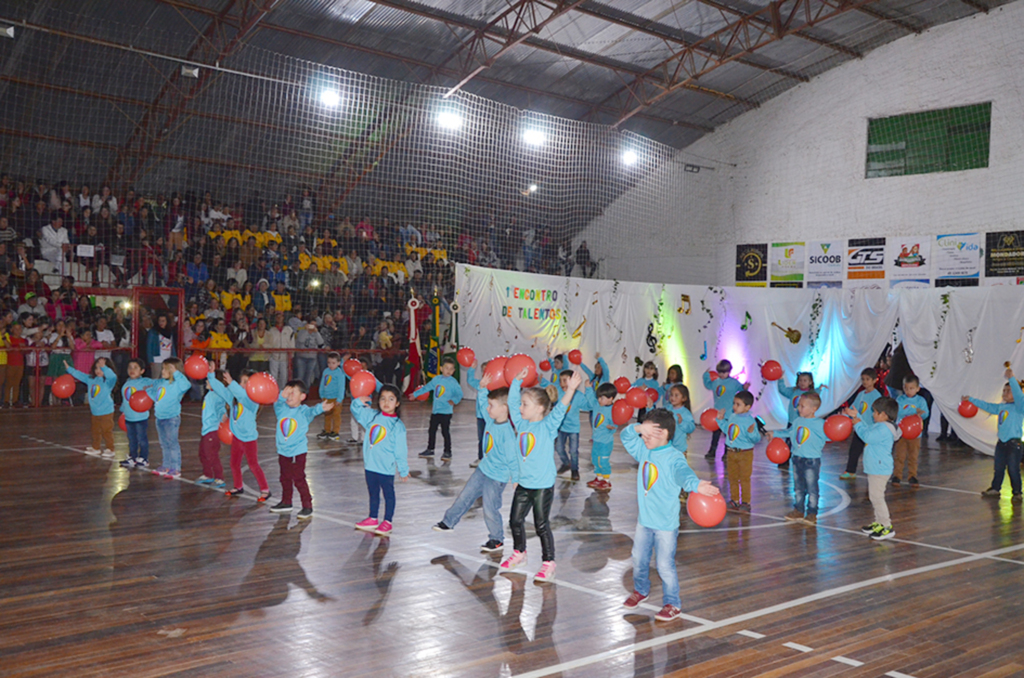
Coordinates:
948	140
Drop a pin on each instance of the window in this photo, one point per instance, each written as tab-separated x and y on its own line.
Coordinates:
948	140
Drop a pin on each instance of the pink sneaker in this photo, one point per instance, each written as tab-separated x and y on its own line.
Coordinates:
513	561
546	572
368	525
384	529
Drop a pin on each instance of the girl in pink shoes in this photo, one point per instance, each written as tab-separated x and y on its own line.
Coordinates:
384	450
536	417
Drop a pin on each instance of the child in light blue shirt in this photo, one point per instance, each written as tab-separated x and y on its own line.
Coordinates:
878	438
385	450
723	388
167	394
906	450
100	383
806	435
447	394
600	402
741	434
1010	420
293	420
136	423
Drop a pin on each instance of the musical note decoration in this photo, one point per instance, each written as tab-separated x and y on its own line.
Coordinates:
704	355
684	304
652	341
576	333
1021	337
747	321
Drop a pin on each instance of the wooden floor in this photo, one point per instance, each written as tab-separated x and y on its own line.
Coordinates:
109	572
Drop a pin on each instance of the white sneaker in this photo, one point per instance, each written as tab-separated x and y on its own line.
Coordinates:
92	451
107	454
474	463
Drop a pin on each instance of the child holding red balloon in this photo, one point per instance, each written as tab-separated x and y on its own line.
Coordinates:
100	383
907	449
536	415
215	408
662	474
293	420
878	439
648	381
863	401
167	394
741	434
723	388
243	427
447	394
385	450
1009	450
807	436
600	401
567	444
136	424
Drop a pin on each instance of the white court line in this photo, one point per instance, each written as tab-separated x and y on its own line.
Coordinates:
751	634
798	647
952	489
846	660
763	612
897	674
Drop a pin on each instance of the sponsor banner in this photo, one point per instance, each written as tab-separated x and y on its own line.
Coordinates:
908	283
957	282
909	258
787	262
999	282
790	285
825	261
825	284
865	259
751	284
1004	254
958	255
752	263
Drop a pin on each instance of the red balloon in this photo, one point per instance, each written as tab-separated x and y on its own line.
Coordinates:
771	370
545	365
352	366
422	396
704	510
712	375
122	424
637	397
653	394
465	356
515	364
967	409
224	433
196	367
777	451
621	384
838	428
262	388
708	419
140	401
496	368
362	384
622	413
911	426
575	357
63	386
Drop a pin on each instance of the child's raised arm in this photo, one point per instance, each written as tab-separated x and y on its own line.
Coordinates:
708	381
80	376
515	399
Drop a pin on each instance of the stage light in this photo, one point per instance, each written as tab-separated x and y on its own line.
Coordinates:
330	97
533	188
629	158
449	120
534	137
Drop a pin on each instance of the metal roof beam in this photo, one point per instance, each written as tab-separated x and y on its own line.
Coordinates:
804	35
668	34
746	34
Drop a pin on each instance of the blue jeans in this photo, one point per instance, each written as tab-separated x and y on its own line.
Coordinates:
1008	456
805	484
167	431
479	485
305	369
375	484
570	456
601	456
664	544
138	439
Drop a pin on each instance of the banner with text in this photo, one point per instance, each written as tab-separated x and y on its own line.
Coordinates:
787	264
1004	254
825	263
752	264
958	259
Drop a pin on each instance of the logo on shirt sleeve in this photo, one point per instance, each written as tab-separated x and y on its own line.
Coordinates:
527	441
288	426
377	434
649	476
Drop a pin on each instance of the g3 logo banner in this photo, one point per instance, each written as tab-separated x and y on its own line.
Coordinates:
865	258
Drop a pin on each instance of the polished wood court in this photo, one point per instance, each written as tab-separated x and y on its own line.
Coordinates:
110	572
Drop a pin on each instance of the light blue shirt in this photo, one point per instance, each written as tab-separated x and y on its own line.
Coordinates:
792	394
535	441
293	425
723	390
481	409
332	384
243	410
571	421
127	391
878	439
864	400
807	437
99	390
167	395
385	447
444	389
1011	415
214	409
499	462
605	377
908	406
662	474
601	419
740	431
685	425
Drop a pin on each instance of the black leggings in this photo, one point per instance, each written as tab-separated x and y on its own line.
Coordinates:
856	449
540	501
444	421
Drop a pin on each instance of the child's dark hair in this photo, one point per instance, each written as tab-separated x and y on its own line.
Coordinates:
911	379
96	363
683	391
139	363
870	372
663	419
886	406
650	365
246	373
723	366
565	373
745	397
545	397
499	394
607	391
679	374
393	390
447	360
219	376
299	384
333	355
805	374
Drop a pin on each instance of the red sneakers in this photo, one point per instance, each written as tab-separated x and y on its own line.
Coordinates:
634	600
668	613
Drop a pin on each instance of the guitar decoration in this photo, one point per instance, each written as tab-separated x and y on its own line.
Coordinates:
652	341
684	305
791	334
576	333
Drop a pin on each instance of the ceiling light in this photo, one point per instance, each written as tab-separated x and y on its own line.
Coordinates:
449	120
534	137
629	158
330	97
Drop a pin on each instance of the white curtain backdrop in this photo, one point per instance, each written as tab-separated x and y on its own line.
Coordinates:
841	332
